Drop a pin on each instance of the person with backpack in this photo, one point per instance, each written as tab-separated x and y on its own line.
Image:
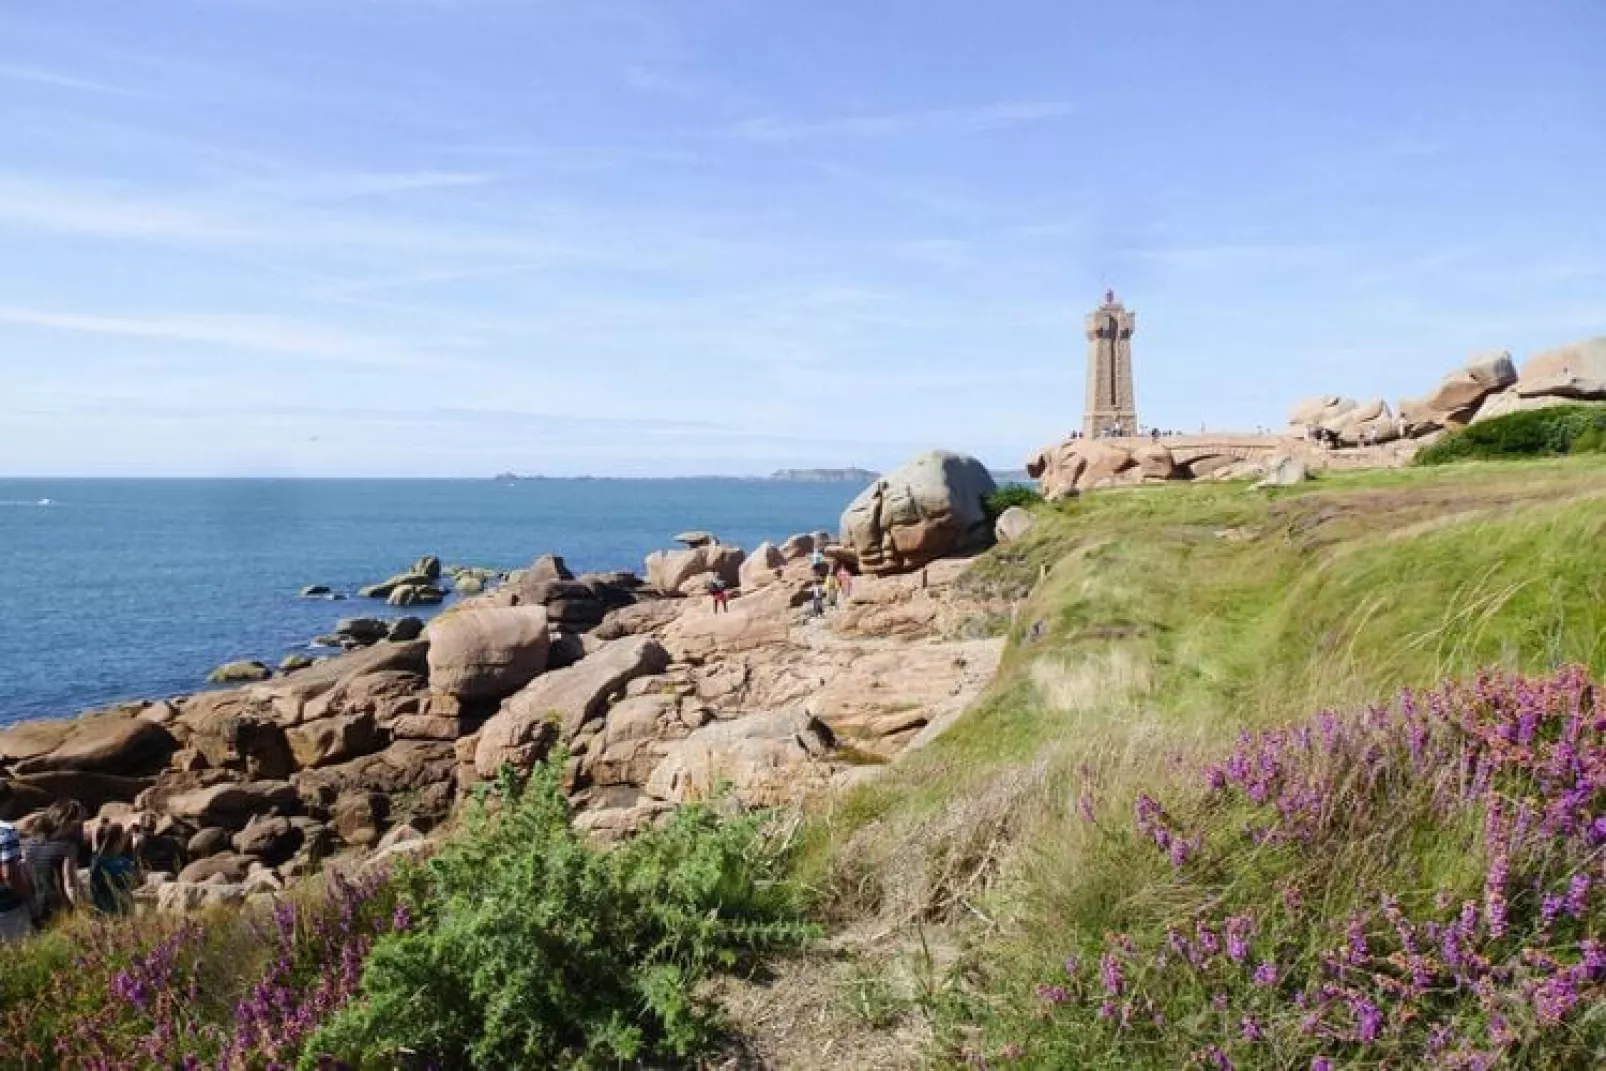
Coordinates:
720	593
112	872
15	892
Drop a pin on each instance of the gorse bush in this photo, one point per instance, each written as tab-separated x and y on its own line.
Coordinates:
1564	429
1011	494
534	948
1420	885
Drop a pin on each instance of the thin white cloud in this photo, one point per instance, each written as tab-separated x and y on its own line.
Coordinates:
58	80
893	124
261	334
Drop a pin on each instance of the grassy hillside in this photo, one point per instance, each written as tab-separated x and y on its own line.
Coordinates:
1162	623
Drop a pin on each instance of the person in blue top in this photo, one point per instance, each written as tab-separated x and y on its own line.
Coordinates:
112	872
16	921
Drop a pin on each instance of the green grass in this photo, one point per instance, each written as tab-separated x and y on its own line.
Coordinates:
1562	429
1160	622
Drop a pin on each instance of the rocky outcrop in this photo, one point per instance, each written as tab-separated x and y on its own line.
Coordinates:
1068	468
106	743
239	672
1284	472
1012	525
1320	411
415	595
668	571
557	705
928	508
759	756
761	567
487	653
1576	371
1459	394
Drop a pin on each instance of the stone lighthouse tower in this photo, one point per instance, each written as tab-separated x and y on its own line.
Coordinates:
1110	405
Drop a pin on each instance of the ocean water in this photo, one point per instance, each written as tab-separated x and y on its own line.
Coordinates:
125	589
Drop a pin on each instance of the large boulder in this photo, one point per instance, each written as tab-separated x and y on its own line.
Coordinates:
415	595
383	589
1012	525
798	547
668	570
546	567
628	748
570	604
1459	394
1320	410
761	567
930	507
1367	423
1284	471
302	696
240	672
1577	370
487	653
1075	465
190	897
273	839
759	756
428	566
1155	462
334	739
559	703
115	742
232	803
1509	401
234	730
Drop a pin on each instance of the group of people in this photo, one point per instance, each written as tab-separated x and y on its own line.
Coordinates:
1119	431
41	876
831	584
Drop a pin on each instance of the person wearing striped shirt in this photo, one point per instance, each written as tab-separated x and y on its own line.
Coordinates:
15	892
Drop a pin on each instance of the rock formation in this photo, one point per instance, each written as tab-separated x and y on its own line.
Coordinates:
930	507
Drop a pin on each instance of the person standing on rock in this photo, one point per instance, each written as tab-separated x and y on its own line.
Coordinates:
844	581
817	562
816	598
720	594
833	589
15	891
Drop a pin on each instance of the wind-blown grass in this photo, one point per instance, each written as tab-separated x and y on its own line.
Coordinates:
1161	623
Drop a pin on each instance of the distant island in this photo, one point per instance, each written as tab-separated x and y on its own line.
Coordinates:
849	475
824	475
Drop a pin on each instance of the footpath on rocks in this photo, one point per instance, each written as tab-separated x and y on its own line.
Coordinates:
655	695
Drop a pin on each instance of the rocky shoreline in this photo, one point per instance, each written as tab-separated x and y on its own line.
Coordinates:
654	695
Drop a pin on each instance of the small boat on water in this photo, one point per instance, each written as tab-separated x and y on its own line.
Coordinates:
45	502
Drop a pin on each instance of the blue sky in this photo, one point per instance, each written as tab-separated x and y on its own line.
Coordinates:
451	237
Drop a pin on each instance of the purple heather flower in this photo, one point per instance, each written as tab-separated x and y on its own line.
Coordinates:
1578	895
1110	974
1238	928
1053	994
1368	1020
1266	974
1217	1059
1071	965
1084	806
1321	1063
1250	1029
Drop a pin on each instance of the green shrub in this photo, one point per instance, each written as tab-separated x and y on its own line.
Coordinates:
1011	494
1562	429
534	948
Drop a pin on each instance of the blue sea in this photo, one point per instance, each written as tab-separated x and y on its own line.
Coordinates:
126	589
